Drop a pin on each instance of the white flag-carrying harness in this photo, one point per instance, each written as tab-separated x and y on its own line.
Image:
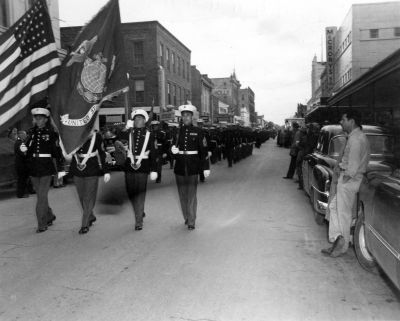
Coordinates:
143	153
82	165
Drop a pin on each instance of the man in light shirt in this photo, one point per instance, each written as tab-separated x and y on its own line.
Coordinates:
350	171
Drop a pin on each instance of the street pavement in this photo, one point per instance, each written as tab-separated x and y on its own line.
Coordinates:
254	256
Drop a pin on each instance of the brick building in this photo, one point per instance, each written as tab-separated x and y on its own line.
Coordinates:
158	65
246	98
202	93
227	90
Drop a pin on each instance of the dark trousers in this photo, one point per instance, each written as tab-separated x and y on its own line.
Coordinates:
87	193
292	167
299	167
22	181
187	189
229	156
44	213
159	167
136	186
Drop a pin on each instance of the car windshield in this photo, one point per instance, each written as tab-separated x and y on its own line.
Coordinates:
381	144
336	146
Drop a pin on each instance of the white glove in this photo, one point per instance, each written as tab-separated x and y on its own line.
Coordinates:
206	173
153	176
107	177
23	148
164	155
61	174
174	150
129	124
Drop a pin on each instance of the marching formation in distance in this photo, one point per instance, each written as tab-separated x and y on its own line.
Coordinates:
140	152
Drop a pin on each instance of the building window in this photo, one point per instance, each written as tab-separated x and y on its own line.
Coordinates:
183	96
397	32
179	66
138	57
167	58
183	68
179	95
174	93
187	71
173	62
169	93
374	33
139	91
161	54
4	13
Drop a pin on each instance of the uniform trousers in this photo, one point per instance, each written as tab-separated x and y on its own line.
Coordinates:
159	167
341	208
22	179
292	167
136	186
187	189
87	193
44	213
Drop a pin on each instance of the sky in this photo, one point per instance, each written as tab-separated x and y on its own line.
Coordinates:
270	44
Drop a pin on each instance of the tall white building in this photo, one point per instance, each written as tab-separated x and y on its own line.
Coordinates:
369	33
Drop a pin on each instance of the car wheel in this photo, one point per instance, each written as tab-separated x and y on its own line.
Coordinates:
319	218
364	257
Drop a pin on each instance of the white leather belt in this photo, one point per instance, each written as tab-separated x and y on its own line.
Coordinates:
144	157
159	144
189	152
90	155
41	155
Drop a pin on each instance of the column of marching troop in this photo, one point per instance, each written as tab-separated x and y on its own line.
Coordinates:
140	153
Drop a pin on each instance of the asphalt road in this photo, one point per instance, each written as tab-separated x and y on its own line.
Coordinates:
255	255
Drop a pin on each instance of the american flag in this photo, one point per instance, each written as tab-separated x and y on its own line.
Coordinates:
28	63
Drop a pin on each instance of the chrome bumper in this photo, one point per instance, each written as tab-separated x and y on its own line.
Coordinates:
319	206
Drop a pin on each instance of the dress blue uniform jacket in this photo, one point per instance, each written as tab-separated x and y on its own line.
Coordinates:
138	136
96	165
191	138
44	141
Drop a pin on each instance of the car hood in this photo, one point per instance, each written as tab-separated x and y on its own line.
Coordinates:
380	166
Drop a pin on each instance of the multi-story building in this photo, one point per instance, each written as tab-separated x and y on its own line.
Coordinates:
227	90
369	33
246	101
201	93
158	65
317	69
221	111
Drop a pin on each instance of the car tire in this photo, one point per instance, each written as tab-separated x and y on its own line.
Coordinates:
319	218
364	257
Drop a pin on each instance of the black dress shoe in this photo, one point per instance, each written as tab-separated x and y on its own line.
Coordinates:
328	251
23	196
41	229
191	227
138	228
92	220
186	222
285	177
84	230
158	181
144	214
50	222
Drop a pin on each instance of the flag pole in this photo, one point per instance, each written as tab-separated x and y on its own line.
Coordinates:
126	102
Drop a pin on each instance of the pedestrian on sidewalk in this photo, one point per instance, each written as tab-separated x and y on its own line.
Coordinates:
293	150
191	151
350	172
88	163
45	159
140	161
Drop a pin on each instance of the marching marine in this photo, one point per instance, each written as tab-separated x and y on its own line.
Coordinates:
140	161
190	150
88	163
45	160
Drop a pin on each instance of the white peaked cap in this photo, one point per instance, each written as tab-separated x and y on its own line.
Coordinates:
141	112
190	108
40	111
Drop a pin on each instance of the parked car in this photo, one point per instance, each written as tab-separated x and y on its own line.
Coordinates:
318	166
377	231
